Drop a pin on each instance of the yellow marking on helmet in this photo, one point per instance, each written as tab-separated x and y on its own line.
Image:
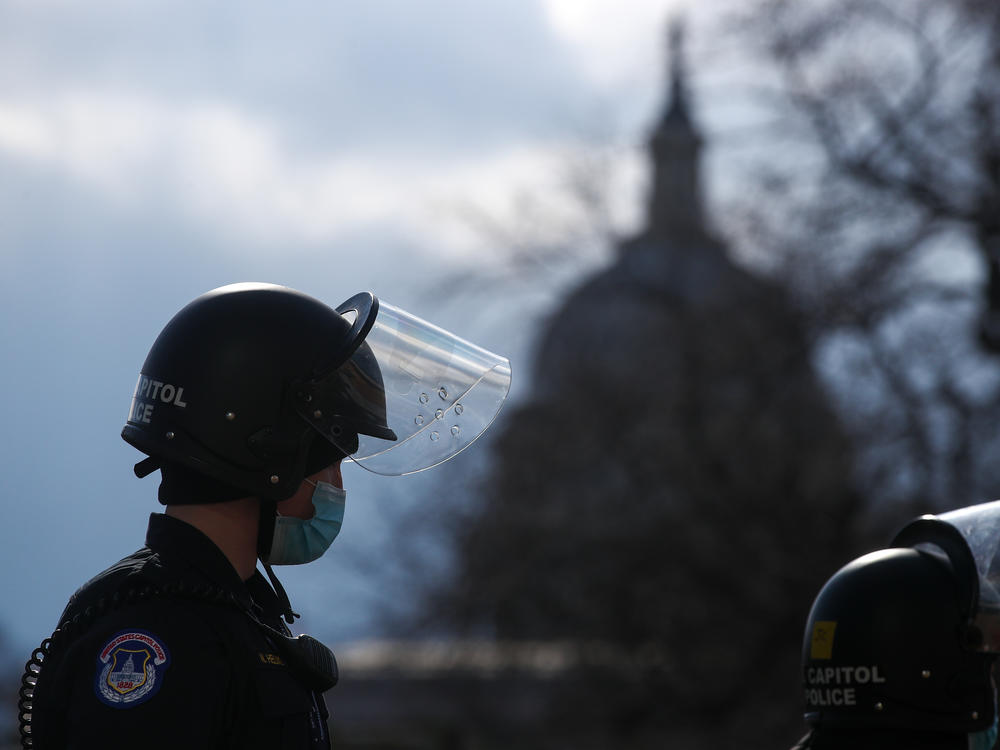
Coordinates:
822	639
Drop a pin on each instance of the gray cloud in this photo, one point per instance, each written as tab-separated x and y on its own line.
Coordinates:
442	73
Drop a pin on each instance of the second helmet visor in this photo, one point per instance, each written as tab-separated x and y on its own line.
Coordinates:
979	526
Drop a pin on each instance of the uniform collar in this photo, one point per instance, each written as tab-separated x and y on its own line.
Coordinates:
173	538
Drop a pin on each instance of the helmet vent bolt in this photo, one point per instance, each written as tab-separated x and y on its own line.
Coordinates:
336	430
926	674
170	435
275	479
879	706
230	416
317	414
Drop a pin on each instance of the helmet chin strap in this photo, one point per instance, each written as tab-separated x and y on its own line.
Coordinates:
286	605
265	534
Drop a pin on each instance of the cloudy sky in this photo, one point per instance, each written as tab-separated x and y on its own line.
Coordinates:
152	150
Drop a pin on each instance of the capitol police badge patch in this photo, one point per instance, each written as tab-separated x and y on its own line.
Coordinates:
130	669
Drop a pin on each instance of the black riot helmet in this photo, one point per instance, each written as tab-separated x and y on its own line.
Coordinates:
900	643
223	387
256	386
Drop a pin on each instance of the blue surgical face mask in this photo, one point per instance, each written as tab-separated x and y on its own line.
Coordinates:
301	540
985	739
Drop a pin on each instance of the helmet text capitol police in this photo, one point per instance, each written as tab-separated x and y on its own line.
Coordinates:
848	677
153	390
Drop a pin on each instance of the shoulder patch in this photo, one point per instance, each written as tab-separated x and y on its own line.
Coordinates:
130	668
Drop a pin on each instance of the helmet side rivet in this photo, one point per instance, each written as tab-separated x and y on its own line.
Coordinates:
925	673
879	706
975	714
275	479
317	414
170	435
230	416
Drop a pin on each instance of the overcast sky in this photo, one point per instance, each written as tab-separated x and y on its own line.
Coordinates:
150	151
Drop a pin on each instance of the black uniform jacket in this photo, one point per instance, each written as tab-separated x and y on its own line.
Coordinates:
164	655
882	739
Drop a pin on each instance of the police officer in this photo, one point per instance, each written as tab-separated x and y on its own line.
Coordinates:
900	643
248	402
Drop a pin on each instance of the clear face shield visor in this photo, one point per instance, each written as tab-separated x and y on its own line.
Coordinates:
970	538
413	394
